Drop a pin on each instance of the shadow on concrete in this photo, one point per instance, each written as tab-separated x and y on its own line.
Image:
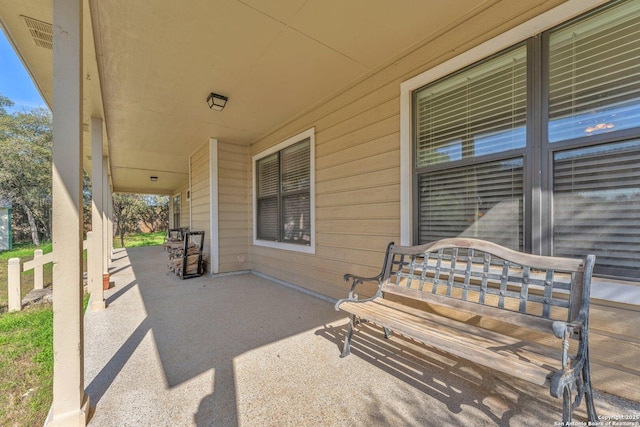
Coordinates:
496	398
114	296
202	324
119	254
119	269
101	383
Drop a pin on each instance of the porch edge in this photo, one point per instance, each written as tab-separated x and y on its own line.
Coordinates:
295	287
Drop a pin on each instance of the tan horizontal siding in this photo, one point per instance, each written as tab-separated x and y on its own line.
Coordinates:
383	210
374	151
233	207
363	196
358	166
200	197
369	180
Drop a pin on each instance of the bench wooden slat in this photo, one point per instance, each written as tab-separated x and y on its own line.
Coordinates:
463	343
511	317
549	353
534	261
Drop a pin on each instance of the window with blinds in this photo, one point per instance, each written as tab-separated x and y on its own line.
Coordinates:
474	115
546	131
593	74
283	195
594	92
176	211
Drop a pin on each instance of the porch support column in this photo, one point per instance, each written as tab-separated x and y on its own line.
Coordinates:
97	258
213	208
106	249
70	404
110	222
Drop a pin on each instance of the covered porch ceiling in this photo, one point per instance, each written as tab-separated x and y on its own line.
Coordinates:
149	68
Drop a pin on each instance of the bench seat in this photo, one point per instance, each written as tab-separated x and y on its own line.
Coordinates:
533	362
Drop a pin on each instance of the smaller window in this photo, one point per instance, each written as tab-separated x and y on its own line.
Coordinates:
176	211
284	195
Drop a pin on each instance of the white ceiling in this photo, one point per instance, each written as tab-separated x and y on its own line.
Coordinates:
157	62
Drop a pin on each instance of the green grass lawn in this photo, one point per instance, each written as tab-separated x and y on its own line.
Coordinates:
141	239
26	366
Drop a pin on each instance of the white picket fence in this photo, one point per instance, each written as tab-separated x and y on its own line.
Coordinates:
15	277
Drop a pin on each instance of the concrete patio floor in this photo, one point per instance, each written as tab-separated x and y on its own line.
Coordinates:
244	350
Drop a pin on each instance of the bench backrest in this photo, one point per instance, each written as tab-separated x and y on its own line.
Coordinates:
475	272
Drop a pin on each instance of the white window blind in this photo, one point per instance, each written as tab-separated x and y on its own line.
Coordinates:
479	111
463	118
482	201
295	191
268	185
596	203
593	74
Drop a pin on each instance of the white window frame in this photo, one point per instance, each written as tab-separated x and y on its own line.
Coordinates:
605	289
311	248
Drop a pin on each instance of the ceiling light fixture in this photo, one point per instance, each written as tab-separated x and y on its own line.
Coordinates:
216	102
153	178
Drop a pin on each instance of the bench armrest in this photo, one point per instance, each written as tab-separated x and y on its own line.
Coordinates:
563	329
566	330
355	281
358	280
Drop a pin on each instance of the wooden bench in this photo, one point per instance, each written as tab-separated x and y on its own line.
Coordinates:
425	292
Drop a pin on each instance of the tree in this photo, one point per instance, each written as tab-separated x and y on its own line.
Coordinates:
127	211
131	211
156	216
25	165
87	202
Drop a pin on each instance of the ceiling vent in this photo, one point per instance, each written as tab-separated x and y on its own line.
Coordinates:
42	32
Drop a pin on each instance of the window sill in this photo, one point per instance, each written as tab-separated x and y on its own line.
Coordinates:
615	291
286	246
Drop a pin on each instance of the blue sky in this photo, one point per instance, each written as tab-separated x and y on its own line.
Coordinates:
15	82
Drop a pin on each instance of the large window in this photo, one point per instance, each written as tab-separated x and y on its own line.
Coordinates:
283	197
537	147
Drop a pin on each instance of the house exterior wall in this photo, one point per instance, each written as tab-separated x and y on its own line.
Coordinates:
233	199
358	160
200	196
358	188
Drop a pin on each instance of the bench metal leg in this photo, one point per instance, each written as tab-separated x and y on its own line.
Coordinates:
387	333
346	349
588	392
567	406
